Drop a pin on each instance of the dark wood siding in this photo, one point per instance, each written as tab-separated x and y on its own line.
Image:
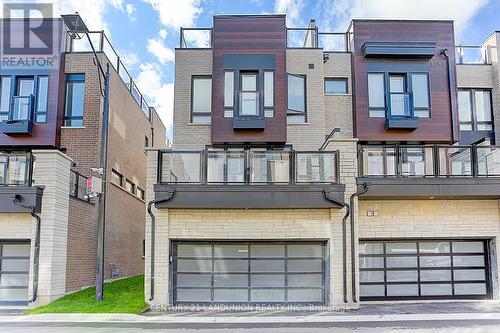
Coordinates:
249	35
439	127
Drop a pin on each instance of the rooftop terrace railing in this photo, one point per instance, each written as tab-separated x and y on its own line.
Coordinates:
195	38
247	167
15	169
429	161
473	54
311	38
101	43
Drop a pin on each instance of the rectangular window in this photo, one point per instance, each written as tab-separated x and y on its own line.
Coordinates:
5	87
268	89
140	193
146	142
474	110
420	89
78	186
201	100
41	99
482	99
116	178
129	186
249	96
336	86
228	89
376	95
296	98
75	96
23	100
465	110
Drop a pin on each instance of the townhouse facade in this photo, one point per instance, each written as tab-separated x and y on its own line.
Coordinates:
312	167
50	137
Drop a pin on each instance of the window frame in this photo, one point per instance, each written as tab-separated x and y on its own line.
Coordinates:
346	85
120	176
271	108
205	114
226	108
295	113
410	86
132	186
73	78
473	111
385	85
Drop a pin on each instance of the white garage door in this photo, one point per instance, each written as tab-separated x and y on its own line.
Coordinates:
14	272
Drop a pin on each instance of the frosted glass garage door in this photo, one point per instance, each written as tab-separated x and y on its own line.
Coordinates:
443	269
14	272
249	272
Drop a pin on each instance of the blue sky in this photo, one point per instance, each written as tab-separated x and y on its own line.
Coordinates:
145	32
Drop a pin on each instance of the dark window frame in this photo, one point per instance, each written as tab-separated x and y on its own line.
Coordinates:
473	111
296	113
73	78
195	114
345	80
224	106
273	107
75	189
120	176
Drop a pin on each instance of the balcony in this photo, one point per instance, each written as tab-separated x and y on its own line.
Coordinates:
401	112
236	178
473	54
430	171
15	182
20	119
311	38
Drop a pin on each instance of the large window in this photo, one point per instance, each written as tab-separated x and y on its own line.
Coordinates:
337	86
228	94
42	99
75	96
5	87
268	94
201	97
296	99
474	109
249	94
420	88
376	95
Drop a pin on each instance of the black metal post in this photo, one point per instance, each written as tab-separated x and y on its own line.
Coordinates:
99	280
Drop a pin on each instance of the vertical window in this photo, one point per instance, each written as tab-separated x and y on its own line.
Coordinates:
398	99
296	99
228	89
249	96
336	86
41	99
474	110
5	83
116	178
464	110
482	99
268	94
23	103
420	89
129	186
376	95
201	100
75	95
140	193
146	142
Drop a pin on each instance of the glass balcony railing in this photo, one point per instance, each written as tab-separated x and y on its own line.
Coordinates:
467	54
400	105
248	167
249	103
430	161
15	169
22	108
195	38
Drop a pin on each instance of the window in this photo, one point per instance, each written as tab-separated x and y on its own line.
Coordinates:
146	142
474	110
268	94
41	99
5	87
336	86
75	95
78	186
140	193
376	95
249	95
296	98
23	103
201	100
228	89
129	186
420	89
116	178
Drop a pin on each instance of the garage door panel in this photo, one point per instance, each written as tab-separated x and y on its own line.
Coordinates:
14	272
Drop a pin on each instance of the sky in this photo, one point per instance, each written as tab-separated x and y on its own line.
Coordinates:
146	32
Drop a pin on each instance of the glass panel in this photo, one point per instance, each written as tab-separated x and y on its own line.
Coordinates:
376	113
228	113
181	167
231	250
249	103
215	167
16	250
235	167
434	247
435	289
332	42
396	83
194	280
371	262
230	280
273	167
43	89
14	280
468	247
228	89
21	108
248	82
305	280
295	119
455	161
378	161
5	84
336	86
371	276
194	250
401	248
305	250
307	265
16	172
469	274
314	167
435	261
75	96
202	120
483	105
472	261
230	295
194	295
416	161
395	262
464	106
13	295
267	250
305	295
267	295
202	95
400	104
402	276
15	265
376	90
194	265
239	265
437	275
422	113
269	89
402	290
470	289
296	93
267	280
420	87
272	265
371	248
269	113
372	290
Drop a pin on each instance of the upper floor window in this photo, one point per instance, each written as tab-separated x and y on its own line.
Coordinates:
75	96
42	99
268	94
474	110
5	87
398	94
296	111
129	186
249	94
116	178
228	93
201	97
337	86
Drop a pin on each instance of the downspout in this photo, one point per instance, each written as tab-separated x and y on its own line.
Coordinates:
36	257
152	260
353	254
444	53
344	241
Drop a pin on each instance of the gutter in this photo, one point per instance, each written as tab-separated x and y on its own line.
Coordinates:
152	260
36	257
344	242
444	53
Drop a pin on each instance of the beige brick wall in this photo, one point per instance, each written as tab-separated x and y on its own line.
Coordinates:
474	76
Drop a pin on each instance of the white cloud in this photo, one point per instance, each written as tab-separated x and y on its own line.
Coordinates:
130	9
129	59
160	51
292	9
163	33
176	13
117	4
